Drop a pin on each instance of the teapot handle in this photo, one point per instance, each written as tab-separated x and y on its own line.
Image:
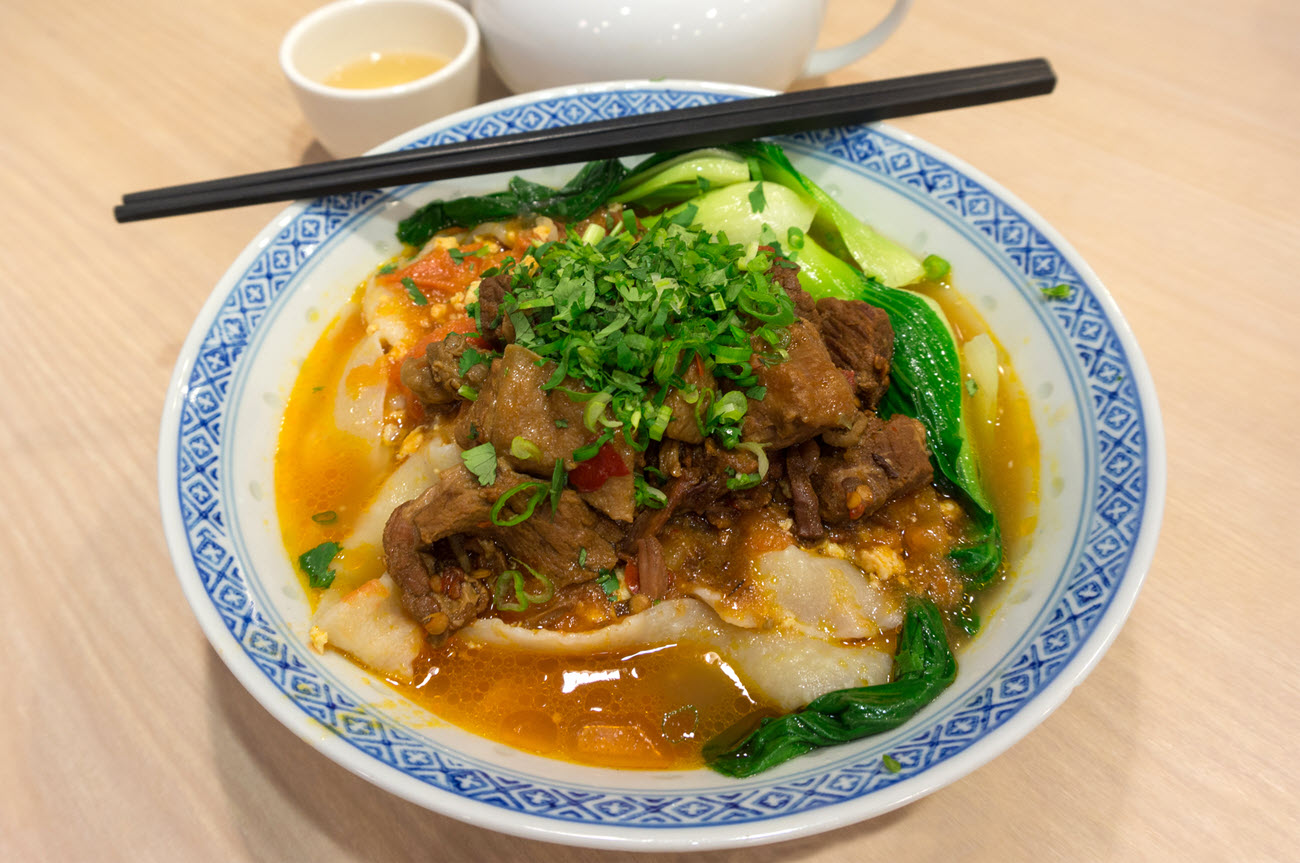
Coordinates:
830	59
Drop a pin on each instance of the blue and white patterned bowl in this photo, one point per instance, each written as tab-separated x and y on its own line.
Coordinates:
1102	488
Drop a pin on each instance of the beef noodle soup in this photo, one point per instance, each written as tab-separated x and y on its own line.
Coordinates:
651	480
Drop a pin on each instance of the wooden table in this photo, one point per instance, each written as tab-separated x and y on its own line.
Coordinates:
1169	155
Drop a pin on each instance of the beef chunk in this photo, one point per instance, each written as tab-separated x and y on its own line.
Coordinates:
786	275
859	338
497	328
441	595
435	378
512	404
684	426
888	461
806	394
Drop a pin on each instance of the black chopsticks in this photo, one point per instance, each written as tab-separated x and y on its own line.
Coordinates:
679	129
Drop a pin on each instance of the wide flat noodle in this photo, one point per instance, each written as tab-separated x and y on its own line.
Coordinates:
370	624
786	669
418	472
793	590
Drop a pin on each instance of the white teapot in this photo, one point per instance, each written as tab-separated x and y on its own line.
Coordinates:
534	44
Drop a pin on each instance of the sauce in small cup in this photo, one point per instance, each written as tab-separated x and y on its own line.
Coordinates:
364	71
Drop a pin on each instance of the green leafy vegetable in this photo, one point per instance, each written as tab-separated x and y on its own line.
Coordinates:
577	200
482	462
924	666
316	563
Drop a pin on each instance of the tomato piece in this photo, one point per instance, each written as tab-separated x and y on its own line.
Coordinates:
591	474
436	273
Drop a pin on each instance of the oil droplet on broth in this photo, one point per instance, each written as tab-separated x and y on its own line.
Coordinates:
384	69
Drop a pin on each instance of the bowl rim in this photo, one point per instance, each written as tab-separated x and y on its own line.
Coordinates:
779	827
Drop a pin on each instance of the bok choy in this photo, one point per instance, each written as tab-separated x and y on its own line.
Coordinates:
923	667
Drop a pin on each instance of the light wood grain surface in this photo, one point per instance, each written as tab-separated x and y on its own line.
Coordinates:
1169	156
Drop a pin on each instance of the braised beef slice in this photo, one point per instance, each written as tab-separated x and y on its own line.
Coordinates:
497	328
800	463
888	461
697	483
511	404
859	338
457	506
806	394
786	275
435	378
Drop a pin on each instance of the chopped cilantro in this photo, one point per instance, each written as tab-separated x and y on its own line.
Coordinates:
482	462
561	424
386	269
1056	292
417	296
703	183
458	257
316	563
757	201
971	386
317	389
609	583
582	556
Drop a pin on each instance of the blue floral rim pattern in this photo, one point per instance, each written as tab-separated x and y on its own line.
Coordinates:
1120	479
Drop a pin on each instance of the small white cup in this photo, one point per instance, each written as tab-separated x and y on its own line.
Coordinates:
348	122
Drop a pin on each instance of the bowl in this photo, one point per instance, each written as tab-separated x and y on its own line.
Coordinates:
348	120
1102	478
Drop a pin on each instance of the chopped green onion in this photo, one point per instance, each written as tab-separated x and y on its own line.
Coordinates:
510	581
548	589
729	408
559	477
589	451
935	267
890	763
538	490
595	410
795	237
524	449
759	453
1056	292
329	516
594	234
743	481
660	424
468	393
